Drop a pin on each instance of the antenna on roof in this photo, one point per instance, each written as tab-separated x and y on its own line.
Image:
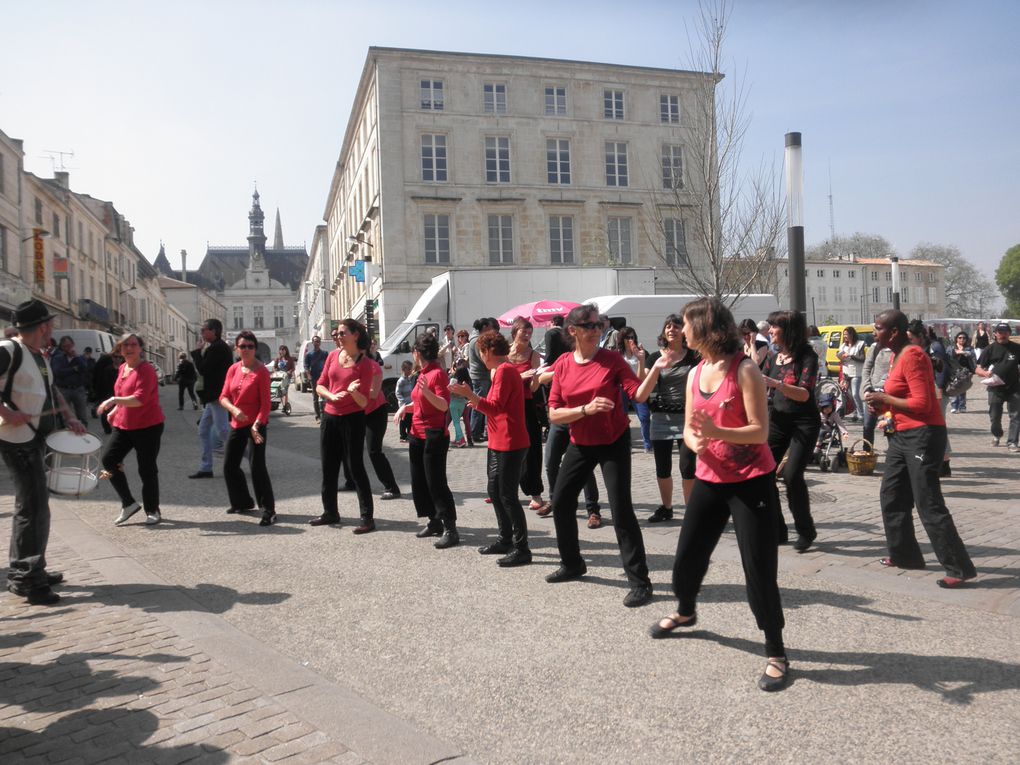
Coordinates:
832	213
56	159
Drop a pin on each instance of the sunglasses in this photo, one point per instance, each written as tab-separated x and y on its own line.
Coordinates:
589	325
245	346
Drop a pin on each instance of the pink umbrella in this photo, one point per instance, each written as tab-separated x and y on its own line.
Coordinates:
538	313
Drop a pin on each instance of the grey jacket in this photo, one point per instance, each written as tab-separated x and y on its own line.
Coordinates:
876	368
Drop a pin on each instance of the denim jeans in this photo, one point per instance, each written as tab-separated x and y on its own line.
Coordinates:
213	428
30	526
481	387
457	405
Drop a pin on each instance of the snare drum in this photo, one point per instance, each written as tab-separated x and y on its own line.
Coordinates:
73	462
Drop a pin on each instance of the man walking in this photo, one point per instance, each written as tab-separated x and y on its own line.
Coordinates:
212	360
481	381
315	362
71	376
27	415
1001	359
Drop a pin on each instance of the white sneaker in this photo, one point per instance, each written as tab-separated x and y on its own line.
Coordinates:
995	442
127	512
152	519
1013	448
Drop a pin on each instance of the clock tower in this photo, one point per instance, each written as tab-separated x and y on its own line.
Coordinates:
256	235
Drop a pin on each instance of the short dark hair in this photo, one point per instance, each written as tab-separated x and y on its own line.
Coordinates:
353	325
713	325
65	337
579	313
427	346
793	326
493	342
556	321
448	327
747	326
88	349
246	334
672	319
479	324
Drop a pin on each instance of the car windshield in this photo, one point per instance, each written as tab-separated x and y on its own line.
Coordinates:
395	337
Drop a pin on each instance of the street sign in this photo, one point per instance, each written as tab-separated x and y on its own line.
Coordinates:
357	271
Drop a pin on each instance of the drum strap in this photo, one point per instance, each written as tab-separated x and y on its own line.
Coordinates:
16	356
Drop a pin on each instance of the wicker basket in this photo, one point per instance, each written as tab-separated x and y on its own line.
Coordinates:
861	462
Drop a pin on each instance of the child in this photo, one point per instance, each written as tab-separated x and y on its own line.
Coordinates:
457	404
403	392
830	420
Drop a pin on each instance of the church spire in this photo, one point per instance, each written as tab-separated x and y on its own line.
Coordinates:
278	238
256	233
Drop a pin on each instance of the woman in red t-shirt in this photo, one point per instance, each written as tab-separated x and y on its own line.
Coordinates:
504	408
245	396
914	458
137	422
428	445
586	394
726	424
344	386
526	360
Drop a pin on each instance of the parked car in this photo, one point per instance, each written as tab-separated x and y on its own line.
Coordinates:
833	337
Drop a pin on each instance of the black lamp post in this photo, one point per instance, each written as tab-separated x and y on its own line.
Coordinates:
795	221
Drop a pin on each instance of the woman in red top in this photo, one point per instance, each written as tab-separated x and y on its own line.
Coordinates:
726	424
137	422
914	457
586	394
504	408
344	386
428	444
526	360
245	396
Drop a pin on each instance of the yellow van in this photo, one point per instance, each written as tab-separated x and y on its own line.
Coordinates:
833	337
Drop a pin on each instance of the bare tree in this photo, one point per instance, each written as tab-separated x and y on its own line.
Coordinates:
734	218
859	244
969	294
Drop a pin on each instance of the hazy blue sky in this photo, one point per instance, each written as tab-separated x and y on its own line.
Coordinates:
173	109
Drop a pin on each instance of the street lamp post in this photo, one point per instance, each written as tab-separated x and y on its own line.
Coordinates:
795	221
895	262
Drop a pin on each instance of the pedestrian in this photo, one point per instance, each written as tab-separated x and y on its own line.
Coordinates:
137	421
212	358
505	408
914	458
851	356
185	375
874	374
284	365
918	334
90	368
634	354
587	389
429	444
999	362
755	349
103	378
71	376
668	369
480	381
245	396
980	340
402	390
28	404
964	357
376	420
526	361
459	374
817	343
790	375
609	334
448	348
315	360
726	425
345	385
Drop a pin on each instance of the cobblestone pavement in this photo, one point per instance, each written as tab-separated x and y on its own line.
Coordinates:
209	639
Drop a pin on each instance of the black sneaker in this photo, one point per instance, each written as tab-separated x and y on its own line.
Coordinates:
430	530
496	548
518	557
638	596
662	513
566	574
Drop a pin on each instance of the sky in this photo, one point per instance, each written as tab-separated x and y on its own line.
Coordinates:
174	110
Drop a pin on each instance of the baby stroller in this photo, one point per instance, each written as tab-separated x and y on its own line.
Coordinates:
278	384
830	452
829	388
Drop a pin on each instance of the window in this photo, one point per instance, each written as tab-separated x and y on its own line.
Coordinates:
676	242
58	288
612	104
852	274
853	294
888	294
837	294
81	237
557	155
561	239
556	101
2	190
931	277
905	294
259	320
619	241
497	159
437	239
672	167
3	249
874	295
278	316
56	226
932	295
888	276
835	273
433	158
432	95
821	293
495	97
238	317
501	240
820	273
669	110
917	276
616	163
874	276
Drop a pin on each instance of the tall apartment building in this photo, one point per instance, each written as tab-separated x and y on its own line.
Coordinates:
855	290
454	160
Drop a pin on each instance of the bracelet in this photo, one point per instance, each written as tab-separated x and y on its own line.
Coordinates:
583	413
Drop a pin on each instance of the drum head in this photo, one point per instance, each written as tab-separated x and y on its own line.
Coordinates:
68	442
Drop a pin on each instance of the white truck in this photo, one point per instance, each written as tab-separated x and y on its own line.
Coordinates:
459	297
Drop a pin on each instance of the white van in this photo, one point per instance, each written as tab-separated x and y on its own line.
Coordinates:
96	339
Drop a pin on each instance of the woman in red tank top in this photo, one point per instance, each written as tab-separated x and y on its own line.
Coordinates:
726	425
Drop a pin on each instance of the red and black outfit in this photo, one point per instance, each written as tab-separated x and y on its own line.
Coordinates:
531	475
911	476
139	428
603	439
731	480
505	409
249	392
428	445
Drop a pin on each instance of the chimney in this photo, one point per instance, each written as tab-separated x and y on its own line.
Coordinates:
63	178
184	265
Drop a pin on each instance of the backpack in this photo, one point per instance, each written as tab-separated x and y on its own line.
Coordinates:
958	378
15	365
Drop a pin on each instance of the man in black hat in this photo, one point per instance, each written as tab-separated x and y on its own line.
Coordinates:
1001	359
28	405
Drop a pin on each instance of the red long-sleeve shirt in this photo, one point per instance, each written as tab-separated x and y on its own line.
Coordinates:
504	410
249	393
336	378
911	378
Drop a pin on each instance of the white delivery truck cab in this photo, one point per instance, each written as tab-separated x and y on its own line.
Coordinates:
459	297
647	313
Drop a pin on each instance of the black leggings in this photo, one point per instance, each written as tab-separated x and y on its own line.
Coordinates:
237	485
146	443
663	451
502	468
708	511
342	439
375	427
188	386
531	475
795	435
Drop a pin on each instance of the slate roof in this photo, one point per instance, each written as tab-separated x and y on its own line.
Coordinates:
223	266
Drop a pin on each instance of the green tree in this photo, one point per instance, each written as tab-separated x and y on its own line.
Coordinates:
1007	276
969	293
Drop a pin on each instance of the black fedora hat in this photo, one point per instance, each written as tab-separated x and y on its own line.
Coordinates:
30	313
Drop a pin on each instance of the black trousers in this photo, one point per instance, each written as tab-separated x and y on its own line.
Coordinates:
237	485
429	488
342	440
405	426
146	443
502	469
30	526
531	472
556	444
188	386
375	427
708	511
794	435
911	478
579	467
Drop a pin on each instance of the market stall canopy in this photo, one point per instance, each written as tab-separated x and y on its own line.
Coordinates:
538	313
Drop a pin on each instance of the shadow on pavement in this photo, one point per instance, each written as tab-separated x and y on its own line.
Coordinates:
231	527
161	598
